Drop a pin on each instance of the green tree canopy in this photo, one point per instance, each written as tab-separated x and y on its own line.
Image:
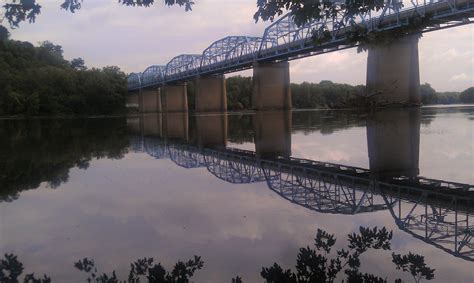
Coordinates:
467	96
78	64
4	33
17	11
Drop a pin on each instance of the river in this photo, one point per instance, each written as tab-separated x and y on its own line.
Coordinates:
241	190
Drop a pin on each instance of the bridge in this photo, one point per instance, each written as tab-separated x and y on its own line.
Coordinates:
392	70
435	211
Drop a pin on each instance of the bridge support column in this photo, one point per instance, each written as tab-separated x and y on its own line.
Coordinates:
393	140
150	100
176	126
271	86
393	75
152	124
211	131
175	98
211	94
272	134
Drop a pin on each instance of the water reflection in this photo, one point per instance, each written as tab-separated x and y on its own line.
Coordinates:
36	151
434	211
139	194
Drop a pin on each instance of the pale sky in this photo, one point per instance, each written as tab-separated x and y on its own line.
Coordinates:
105	33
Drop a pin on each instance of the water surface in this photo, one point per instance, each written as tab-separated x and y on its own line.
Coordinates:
241	190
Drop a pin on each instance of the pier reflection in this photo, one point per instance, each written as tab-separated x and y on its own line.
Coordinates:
434	211
393	141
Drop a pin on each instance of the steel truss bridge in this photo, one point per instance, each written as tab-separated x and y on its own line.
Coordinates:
434	211
284	40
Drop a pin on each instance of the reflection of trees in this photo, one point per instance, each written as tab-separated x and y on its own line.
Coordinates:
36	151
240	129
312	264
434	211
326	121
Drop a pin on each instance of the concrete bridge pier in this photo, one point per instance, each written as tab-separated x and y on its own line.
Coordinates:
393	75
271	86
211	94
176	126
272	134
211	131
393	140
152	124
150	100
175	98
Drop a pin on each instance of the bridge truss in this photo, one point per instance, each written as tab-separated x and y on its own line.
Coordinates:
434	211
285	40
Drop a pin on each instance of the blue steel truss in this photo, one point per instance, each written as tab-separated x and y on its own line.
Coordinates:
182	66
134	80
285	40
153	75
228	51
434	211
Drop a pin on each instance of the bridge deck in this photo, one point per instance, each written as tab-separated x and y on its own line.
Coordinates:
288	41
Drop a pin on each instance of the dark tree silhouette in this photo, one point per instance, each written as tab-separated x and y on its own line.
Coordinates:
78	64
312	264
17	11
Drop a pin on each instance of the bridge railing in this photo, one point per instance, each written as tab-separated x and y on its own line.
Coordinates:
285	40
435	211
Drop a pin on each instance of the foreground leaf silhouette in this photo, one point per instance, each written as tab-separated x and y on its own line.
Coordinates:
313	264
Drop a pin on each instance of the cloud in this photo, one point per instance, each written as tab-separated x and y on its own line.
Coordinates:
461	77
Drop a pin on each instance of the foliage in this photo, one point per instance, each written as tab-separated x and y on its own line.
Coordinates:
326	94
428	94
46	149
11	269
467	96
306	11
17	11
38	81
415	264
239	90
4	33
78	64
145	267
344	13
312	264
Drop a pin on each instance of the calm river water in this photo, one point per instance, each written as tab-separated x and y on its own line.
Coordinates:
241	190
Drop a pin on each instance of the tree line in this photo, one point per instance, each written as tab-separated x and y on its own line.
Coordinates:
316	263
328	95
39	81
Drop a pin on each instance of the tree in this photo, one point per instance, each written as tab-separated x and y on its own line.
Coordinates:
39	81
17	11
428	94
312	264
467	96
78	64
4	33
306	11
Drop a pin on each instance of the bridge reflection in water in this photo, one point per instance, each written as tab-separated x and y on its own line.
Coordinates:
435	211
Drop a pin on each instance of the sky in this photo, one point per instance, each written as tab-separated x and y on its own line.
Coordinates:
106	33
